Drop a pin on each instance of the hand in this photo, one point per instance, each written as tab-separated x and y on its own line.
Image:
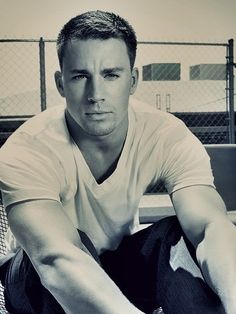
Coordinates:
158	311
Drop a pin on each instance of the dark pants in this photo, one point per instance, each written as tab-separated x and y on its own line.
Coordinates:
141	267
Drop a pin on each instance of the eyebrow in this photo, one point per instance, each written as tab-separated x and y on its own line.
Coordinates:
76	71
116	69
108	70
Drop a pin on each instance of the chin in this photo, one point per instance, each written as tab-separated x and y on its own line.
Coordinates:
99	131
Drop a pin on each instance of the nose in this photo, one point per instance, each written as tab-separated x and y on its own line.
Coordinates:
95	90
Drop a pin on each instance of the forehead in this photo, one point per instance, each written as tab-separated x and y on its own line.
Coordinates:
110	52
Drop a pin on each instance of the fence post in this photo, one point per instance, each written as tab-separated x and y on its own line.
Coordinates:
42	74
230	69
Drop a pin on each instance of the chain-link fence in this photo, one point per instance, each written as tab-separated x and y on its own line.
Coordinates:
192	80
19	78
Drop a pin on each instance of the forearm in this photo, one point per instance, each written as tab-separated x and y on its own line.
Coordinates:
80	285
217	257
72	276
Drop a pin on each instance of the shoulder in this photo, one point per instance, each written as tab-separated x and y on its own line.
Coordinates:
144	111
42	137
51	119
38	158
47	128
152	121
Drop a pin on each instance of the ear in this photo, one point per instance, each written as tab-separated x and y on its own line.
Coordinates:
134	80
59	83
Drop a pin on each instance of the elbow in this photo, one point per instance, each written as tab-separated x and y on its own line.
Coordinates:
216	234
46	266
50	266
204	245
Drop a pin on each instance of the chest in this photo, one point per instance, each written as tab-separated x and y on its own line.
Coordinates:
101	165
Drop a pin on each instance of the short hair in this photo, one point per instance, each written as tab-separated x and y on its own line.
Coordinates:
97	25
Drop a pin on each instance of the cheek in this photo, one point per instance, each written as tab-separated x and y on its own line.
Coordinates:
74	95
122	90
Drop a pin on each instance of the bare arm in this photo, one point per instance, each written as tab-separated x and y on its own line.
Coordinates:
203	217
73	277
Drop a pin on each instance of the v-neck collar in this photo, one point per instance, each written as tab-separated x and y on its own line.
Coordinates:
84	172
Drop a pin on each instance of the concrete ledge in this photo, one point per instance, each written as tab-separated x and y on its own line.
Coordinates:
154	207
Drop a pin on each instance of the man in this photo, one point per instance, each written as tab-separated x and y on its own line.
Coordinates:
86	167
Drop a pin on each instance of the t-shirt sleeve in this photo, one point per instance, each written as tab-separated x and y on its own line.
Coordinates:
186	162
28	171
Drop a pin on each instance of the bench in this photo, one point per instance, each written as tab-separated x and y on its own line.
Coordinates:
156	206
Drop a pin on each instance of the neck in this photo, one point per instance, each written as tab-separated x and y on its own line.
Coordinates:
113	141
101	153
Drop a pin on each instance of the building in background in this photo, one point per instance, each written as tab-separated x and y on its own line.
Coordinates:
179	87
214	72
161	72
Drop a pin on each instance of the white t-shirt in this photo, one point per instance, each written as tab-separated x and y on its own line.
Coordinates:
41	161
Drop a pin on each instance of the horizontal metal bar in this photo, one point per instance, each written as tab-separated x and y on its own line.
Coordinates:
3	40
181	43
19	40
14	118
139	42
208	129
5	135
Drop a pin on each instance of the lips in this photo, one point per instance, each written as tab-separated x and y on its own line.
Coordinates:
97	115
96	112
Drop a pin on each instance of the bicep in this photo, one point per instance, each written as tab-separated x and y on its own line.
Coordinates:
42	228
196	207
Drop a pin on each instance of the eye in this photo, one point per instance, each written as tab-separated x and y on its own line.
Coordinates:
111	76
79	77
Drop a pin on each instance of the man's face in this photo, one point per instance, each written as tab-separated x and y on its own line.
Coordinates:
96	81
